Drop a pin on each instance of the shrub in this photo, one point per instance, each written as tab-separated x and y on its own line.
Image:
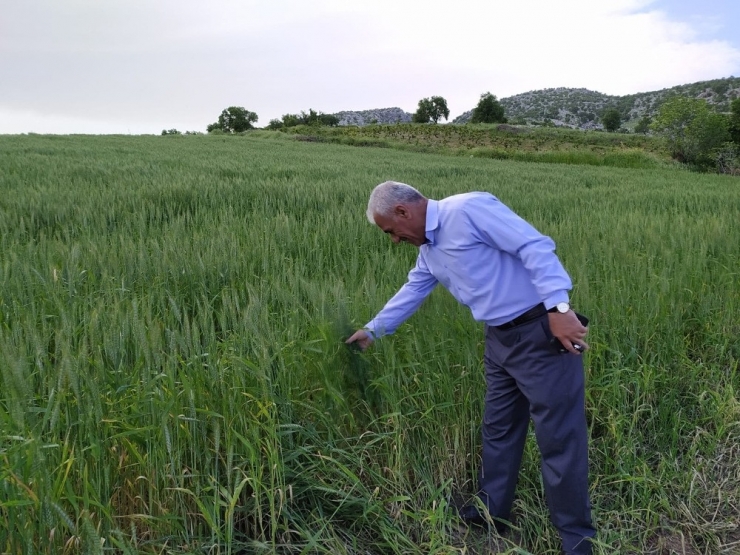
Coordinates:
692	129
728	159
643	126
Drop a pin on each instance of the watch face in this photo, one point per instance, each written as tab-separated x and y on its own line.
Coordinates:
563	307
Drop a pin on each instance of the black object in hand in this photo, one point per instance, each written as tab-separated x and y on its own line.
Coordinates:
555	342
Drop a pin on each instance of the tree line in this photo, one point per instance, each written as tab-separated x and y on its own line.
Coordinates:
694	132
237	119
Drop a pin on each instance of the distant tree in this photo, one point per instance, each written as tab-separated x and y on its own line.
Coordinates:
234	119
693	130
275	124
291	120
643	126
170	132
311	118
422	112
611	119
330	120
431	110
734	123
488	110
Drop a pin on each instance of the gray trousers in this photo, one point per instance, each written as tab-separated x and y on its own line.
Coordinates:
526	377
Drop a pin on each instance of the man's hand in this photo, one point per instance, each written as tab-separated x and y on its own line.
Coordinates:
569	330
361	338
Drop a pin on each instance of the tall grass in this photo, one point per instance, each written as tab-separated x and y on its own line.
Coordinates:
173	377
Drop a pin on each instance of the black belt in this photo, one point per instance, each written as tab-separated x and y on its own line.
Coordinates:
531	314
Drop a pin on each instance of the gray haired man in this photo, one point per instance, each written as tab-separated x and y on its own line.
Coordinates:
507	273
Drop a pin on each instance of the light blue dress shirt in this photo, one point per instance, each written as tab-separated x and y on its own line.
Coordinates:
486	256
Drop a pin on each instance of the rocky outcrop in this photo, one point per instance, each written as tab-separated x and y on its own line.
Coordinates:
367	117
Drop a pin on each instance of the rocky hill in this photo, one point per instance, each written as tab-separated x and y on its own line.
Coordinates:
576	108
380	115
582	108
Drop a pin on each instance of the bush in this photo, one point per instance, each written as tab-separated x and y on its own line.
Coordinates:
643	126
728	159
692	129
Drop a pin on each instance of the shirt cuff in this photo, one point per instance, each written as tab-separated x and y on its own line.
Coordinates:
555	298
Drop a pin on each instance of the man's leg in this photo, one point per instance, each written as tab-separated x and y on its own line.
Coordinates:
554	385
504	432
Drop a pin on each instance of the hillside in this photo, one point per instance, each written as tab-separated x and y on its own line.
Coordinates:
575	108
581	108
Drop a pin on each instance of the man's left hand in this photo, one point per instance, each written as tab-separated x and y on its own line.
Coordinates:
568	330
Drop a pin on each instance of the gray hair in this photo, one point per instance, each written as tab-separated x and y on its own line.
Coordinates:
388	195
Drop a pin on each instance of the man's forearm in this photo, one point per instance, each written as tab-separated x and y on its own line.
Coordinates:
398	309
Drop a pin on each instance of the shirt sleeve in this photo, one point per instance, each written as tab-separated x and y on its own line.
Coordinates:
403	304
497	225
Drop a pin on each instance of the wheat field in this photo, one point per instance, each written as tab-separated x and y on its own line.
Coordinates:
173	377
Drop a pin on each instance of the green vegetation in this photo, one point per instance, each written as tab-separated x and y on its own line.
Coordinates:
643	126
488	110
734	123
692	129
611	119
312	118
431	110
173	378
503	142
234	119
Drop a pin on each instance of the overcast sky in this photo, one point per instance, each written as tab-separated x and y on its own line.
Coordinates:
140	66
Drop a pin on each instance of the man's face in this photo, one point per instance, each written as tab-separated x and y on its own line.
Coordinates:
403	226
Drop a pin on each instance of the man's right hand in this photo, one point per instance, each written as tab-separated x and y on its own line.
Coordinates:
361	338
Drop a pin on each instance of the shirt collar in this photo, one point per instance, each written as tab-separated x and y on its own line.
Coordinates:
432	221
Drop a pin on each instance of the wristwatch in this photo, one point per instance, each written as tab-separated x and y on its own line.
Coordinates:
562	308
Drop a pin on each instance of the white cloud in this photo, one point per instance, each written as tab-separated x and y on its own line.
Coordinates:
184	61
16	121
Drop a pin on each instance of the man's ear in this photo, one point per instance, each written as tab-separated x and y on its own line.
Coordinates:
401	211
